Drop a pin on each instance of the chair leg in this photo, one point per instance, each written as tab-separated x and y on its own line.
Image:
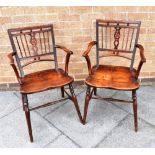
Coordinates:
134	96
87	99
95	91
23	102
28	118
62	92
74	99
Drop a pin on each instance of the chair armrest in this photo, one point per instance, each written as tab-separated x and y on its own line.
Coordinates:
85	54
90	45
64	49
69	53
10	56
143	59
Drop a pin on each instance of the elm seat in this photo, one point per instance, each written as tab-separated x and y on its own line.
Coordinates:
43	80
115	77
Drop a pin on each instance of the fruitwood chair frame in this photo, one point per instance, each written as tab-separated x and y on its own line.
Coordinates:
113	38
36	44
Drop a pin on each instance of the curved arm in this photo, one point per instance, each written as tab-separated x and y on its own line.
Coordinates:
85	54
64	49
10	56
69	53
90	45
143	59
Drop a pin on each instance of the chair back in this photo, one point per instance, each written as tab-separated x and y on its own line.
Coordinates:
117	38
33	44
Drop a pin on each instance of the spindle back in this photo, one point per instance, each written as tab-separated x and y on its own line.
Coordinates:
33	44
117	38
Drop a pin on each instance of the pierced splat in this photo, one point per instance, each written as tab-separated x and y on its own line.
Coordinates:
33	42
116	38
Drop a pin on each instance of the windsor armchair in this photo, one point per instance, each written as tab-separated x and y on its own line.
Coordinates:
117	39
32	45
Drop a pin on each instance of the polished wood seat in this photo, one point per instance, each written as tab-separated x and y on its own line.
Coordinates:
43	80
115	77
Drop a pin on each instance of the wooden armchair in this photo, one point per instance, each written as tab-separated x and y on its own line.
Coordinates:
114	38
32	45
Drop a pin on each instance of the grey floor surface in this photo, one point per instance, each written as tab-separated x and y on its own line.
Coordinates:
109	124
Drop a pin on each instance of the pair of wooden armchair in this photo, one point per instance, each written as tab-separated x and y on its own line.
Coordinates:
113	38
